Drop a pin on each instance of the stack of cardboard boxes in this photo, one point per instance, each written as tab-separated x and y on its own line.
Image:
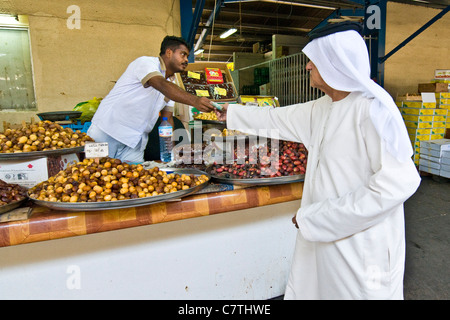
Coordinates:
426	117
435	157
424	121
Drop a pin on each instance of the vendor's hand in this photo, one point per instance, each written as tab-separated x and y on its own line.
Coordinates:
294	221
222	114
203	104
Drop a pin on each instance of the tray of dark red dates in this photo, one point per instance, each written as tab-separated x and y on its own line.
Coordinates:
11	196
274	162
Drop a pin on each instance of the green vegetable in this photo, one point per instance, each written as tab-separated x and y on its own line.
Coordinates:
88	108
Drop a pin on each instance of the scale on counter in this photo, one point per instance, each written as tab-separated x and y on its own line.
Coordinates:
60	116
67	119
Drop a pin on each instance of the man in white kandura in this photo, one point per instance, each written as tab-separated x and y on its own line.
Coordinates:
351	238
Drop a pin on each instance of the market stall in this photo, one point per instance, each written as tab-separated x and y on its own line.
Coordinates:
98	214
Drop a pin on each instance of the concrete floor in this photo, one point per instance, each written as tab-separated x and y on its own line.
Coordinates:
427	222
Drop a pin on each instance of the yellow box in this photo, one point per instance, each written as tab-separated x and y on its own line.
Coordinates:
442	95
415	131
439	118
417	118
425	137
440	112
419	104
419	125
423	111
444	106
438	130
416	111
443	101
416	158
439	124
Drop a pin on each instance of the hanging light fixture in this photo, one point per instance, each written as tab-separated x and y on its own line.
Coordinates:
198	51
228	33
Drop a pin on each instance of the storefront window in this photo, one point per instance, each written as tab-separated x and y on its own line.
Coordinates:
16	76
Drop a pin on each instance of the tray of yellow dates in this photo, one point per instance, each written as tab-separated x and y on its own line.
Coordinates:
41	139
112	184
208	117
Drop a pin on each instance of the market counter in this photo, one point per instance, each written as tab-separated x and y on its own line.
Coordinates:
45	224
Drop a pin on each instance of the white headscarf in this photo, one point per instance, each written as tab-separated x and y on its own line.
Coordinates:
343	62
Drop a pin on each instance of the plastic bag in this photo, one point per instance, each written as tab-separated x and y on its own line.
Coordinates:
88	108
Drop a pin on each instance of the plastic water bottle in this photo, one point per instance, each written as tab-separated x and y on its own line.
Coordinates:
165	131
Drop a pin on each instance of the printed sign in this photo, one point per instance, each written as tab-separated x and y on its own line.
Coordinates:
96	149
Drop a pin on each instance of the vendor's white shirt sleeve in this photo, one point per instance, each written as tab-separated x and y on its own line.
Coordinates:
130	110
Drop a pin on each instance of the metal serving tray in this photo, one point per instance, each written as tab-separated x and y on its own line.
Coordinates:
223	123
59	115
11	206
257	181
129	203
39	154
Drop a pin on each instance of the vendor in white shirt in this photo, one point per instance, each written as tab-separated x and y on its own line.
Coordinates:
130	110
351	239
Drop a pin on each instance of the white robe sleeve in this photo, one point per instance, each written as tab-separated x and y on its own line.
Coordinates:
291	123
389	185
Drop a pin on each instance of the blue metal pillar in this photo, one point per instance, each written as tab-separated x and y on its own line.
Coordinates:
190	21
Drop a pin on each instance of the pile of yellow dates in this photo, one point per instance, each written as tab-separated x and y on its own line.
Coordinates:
110	180
41	136
206	116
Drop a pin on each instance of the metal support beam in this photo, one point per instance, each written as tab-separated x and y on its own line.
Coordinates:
190	21
211	18
415	34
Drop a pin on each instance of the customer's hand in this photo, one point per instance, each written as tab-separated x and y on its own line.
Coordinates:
294	221
222	114
203	104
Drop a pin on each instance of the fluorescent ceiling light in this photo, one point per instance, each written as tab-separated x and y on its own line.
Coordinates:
228	33
198	51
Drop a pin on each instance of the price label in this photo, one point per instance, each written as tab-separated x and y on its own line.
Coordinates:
96	149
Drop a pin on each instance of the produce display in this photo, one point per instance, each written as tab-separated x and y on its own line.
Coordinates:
41	136
206	116
229	133
211	83
110	180
10	193
290	158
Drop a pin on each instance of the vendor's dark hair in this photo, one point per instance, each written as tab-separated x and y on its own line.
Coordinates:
172	42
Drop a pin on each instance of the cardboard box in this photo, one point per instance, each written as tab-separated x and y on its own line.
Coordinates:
430	158
429	164
260	101
419	104
264	89
200	67
423	111
425	137
438	144
445	160
442	74
433	87
29	173
442	95
429	170
444	173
